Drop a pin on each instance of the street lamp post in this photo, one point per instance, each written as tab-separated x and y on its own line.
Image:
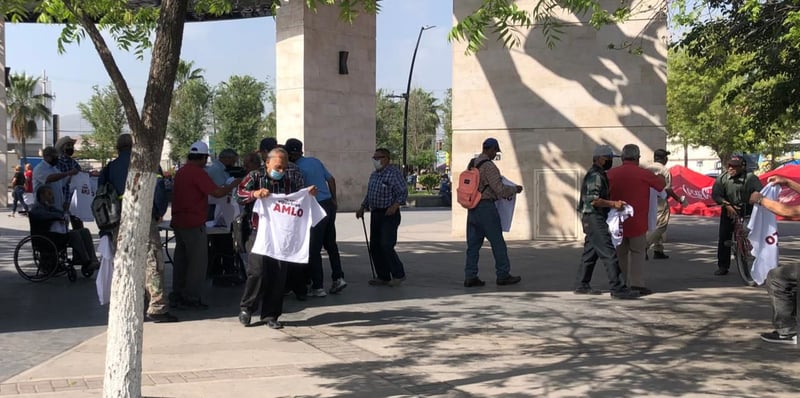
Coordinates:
405	96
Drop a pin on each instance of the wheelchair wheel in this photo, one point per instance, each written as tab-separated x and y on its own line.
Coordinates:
36	258
87	271
72	275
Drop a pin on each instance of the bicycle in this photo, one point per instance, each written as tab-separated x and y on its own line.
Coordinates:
741	250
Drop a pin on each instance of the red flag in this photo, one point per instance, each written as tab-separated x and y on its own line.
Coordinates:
697	188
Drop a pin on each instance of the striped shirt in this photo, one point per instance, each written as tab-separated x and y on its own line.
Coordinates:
491	185
291	182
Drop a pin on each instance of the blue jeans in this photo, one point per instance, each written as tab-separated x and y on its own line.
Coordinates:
382	239
19	196
484	222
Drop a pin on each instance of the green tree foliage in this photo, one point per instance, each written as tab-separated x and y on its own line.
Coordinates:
269	125
238	112
104	112
188	117
423	120
389	124
24	107
429	181
768	33
446	110
186	73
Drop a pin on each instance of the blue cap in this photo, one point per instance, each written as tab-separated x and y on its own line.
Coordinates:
490	143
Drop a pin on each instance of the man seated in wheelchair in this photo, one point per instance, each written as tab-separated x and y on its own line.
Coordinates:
48	220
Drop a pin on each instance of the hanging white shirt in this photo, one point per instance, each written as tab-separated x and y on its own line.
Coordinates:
106	272
763	236
615	219
505	207
284	225
81	203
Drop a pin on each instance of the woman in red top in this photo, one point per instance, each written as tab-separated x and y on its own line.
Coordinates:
28	178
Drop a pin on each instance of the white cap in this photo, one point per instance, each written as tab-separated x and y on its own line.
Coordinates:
198	148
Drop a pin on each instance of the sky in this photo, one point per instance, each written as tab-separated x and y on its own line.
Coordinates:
238	47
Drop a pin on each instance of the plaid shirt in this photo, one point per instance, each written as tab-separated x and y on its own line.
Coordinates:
65	164
386	187
291	182
595	186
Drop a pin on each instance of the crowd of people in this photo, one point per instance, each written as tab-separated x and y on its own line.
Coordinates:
287	211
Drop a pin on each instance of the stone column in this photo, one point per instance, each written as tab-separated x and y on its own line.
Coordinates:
332	113
549	108
4	166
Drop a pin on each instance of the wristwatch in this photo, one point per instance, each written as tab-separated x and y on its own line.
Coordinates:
760	198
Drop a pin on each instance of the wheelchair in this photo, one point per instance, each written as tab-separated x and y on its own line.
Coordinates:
37	258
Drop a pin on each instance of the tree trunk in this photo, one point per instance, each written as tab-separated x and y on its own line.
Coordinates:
123	370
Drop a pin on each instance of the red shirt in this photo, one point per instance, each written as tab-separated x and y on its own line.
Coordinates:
28	181
632	184
190	196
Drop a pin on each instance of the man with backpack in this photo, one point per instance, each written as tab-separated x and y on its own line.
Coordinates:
115	173
483	220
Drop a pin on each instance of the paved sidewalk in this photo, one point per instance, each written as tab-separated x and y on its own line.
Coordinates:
697	336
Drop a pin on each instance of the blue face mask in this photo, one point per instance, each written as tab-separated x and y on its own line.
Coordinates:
275	174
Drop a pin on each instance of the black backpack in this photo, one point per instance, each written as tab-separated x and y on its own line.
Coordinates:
106	206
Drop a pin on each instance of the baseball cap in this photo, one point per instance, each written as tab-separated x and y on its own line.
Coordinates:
661	153
293	145
198	148
604	150
268	144
491	143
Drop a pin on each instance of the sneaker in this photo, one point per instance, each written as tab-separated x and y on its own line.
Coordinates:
317	293
337	286
378	282
162	318
659	256
273	323
474	282
587	290
625	294
775	337
721	271
397	281
509	280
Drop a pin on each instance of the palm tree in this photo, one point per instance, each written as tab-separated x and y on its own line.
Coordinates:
186	72
24	107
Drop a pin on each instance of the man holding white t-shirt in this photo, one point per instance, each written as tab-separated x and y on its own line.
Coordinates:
266	276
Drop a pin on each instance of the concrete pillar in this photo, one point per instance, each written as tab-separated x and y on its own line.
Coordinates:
549	108
4	167
332	113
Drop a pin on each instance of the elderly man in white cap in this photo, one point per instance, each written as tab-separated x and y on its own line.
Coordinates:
189	210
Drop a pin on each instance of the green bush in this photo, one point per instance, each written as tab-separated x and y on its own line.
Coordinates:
429	181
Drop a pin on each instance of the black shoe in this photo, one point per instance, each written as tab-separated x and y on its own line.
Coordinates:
508	280
660	256
587	290
273	323
244	317
775	337
625	294
643	291
721	271
162	318
474	282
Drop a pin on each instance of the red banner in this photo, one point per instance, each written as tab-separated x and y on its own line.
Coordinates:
697	188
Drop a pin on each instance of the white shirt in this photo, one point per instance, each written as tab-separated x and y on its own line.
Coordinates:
505	207
763	236
284	225
81	203
614	221
40	174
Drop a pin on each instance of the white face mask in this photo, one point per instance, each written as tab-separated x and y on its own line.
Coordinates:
377	164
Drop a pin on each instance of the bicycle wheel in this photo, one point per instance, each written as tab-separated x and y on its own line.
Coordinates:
744	261
36	258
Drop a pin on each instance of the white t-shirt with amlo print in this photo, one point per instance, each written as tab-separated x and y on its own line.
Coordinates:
284	225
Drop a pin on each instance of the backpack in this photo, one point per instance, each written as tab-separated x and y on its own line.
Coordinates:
106	207
468	194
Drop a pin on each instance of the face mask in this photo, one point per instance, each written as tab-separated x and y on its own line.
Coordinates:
607	165
275	174
69	151
377	164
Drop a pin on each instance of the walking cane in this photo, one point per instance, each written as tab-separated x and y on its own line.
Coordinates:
369	251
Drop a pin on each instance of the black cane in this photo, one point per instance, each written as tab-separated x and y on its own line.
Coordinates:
369	251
